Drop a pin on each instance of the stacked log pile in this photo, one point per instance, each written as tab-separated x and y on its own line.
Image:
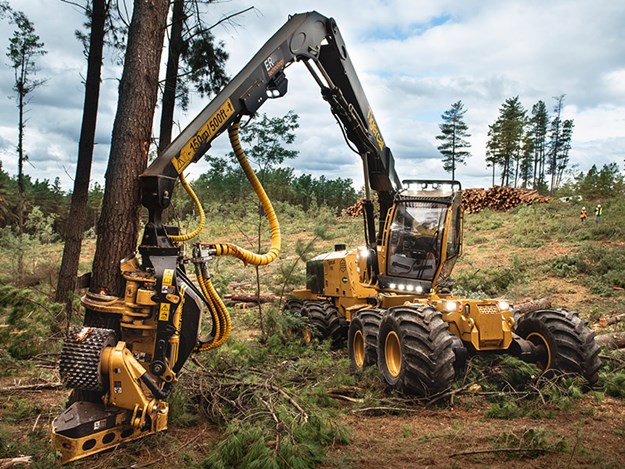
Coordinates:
475	200
357	209
499	198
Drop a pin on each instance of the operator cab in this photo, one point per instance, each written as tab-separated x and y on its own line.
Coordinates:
423	238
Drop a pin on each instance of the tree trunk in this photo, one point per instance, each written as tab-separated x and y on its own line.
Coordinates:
20	188
118	226
80	196
171	75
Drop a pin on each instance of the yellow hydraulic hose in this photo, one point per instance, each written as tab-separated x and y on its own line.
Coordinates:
228	249
219	313
196	201
215	317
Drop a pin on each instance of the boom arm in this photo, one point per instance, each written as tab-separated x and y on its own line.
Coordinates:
308	37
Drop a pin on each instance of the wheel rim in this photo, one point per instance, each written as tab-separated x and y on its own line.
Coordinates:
308	337
544	354
358	346
392	354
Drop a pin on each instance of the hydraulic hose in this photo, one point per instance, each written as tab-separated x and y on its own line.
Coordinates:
219	313
229	249
198	205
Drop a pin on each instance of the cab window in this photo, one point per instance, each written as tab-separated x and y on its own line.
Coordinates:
415	241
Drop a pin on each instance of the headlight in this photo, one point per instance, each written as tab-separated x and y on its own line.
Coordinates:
503	305
392	286
451	306
419	289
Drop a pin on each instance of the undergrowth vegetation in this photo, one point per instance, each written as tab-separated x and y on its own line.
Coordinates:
279	403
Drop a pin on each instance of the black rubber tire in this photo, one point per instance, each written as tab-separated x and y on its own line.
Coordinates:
571	346
364	326
415	351
325	322
293	305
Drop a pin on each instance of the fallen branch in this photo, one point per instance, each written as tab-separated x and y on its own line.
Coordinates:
502	450
274	388
450	393
343	397
386	409
6	463
32	387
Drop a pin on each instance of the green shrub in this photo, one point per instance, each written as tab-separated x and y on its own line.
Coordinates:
33	322
506	410
494	281
565	266
614	383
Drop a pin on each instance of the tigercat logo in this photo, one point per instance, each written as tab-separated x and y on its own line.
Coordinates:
373	126
203	135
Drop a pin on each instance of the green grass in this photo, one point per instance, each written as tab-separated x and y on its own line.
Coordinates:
594	260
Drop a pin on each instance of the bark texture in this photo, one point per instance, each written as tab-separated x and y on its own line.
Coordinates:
118	226
80	196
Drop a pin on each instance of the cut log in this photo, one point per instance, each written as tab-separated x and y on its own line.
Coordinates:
613	340
499	198
32	387
607	321
534	305
247	298
357	209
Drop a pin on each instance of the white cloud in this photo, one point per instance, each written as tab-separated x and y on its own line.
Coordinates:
414	59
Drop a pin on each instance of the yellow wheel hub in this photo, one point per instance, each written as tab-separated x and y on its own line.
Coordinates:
392	354
538	339
308	337
358	347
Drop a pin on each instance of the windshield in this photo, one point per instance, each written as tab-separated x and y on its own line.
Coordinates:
415	241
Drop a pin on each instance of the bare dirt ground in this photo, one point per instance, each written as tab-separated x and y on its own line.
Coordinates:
589	434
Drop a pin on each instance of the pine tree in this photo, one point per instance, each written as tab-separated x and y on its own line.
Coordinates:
563	151
505	139
560	135
454	132
194	58
539	123
24	47
118	225
97	12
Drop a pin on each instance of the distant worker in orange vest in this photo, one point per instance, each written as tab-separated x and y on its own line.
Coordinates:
598	213
583	215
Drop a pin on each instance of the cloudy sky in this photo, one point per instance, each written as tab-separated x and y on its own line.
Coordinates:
414	59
